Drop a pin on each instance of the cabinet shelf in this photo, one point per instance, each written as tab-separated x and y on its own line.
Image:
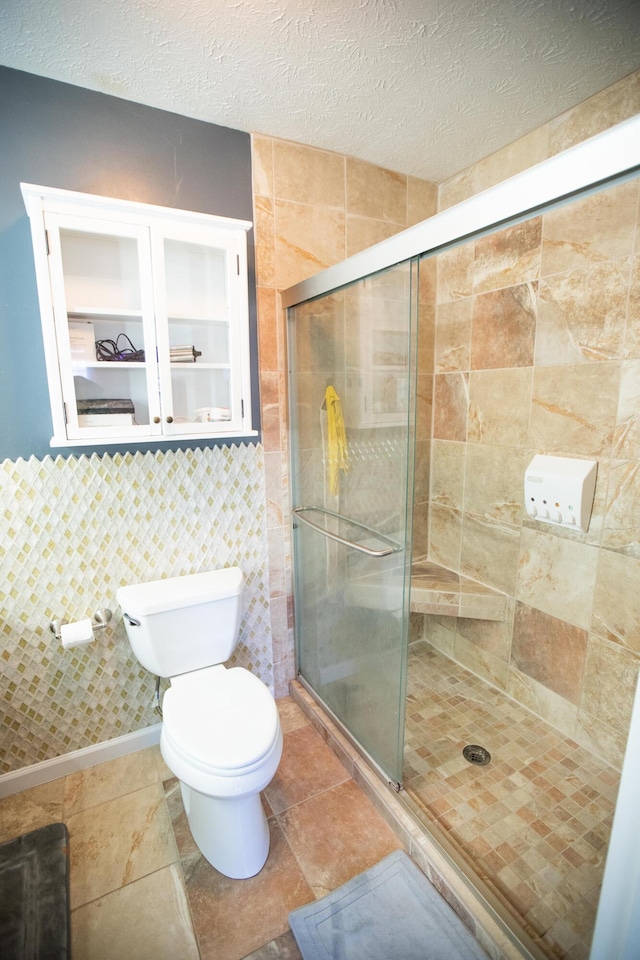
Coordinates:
108	365
199	366
106	316
136	365
172	318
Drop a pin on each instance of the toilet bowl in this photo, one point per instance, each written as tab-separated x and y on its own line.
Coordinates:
222	739
221	734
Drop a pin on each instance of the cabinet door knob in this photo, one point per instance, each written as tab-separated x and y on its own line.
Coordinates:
169	419
156	419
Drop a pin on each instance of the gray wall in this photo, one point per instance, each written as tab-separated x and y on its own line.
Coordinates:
63	136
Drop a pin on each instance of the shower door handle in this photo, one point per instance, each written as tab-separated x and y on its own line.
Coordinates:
392	547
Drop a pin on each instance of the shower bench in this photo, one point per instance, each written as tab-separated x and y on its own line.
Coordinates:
434	589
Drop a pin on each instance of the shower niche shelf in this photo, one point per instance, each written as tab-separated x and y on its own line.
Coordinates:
435	589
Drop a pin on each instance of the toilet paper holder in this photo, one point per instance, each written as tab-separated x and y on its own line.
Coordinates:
100	620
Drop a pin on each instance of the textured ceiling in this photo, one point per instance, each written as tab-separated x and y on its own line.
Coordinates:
424	87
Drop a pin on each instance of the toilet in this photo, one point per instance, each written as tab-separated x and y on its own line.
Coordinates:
221	734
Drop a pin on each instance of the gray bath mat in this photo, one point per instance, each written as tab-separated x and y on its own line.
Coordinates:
389	911
34	895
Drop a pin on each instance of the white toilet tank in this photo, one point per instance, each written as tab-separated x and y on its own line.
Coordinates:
183	623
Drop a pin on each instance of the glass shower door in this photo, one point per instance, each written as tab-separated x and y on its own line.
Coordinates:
352	394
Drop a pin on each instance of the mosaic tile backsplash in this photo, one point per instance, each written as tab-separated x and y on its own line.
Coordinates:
72	530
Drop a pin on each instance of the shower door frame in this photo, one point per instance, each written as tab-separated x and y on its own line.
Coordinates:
593	165
390	773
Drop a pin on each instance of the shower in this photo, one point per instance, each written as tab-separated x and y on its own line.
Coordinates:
468	651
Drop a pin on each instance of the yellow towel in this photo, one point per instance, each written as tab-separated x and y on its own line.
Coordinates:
337	440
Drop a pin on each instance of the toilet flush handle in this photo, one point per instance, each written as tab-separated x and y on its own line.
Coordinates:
132	620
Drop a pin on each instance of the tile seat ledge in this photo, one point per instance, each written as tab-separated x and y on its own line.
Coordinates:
435	589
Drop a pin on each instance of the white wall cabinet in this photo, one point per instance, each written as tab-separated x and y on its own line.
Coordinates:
145	319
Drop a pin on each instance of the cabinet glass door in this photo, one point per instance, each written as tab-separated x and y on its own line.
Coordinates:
197	329
103	308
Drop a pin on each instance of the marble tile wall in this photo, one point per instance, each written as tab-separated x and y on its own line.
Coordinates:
312	209
537	350
611	106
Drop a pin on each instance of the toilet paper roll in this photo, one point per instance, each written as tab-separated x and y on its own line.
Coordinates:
77	633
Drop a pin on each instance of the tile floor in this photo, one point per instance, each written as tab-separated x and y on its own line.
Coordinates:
140	888
535	822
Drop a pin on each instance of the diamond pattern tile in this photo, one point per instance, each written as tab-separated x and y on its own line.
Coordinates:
74	529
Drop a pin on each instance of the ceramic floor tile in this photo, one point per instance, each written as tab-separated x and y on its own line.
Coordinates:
119	842
106	781
233	918
336	835
282	948
31	809
308	767
188	851
535	821
146	920
291	716
125	883
164	773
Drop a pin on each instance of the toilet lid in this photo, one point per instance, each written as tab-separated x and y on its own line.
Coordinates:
226	719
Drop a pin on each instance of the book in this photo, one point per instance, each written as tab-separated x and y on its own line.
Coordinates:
105	405
104	419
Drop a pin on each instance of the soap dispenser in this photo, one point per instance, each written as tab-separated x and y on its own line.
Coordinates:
560	490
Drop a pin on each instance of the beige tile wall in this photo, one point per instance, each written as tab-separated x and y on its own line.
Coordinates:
312	209
537	350
612	105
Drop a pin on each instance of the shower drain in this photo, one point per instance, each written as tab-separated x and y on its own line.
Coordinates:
475	754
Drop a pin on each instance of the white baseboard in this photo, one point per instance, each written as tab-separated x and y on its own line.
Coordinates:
47	770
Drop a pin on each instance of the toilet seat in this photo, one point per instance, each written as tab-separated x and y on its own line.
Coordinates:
221	721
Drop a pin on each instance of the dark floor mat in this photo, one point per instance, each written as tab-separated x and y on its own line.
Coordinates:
34	895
